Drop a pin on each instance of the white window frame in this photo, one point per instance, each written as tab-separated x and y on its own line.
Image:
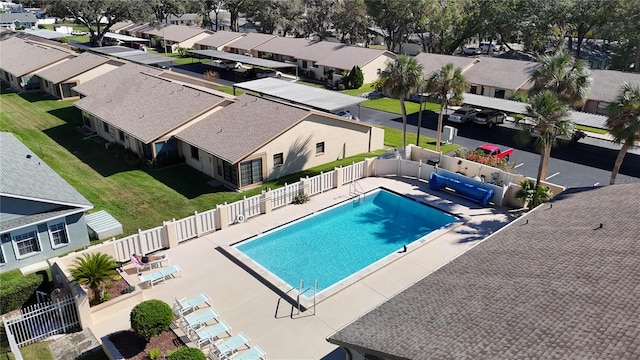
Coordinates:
66	232
19	256
318	144
3	258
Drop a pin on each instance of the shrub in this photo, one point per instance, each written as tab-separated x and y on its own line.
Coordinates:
155	354
151	318
354	79
300	199
187	353
128	289
94	270
17	289
41	26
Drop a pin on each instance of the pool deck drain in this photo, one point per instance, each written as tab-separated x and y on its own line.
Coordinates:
249	306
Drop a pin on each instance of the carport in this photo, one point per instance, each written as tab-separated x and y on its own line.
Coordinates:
125	38
137	56
221	55
313	97
516	107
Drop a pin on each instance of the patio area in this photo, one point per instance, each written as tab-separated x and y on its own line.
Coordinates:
252	307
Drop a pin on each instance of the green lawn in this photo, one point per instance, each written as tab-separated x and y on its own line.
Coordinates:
393	106
366	88
393	138
592	129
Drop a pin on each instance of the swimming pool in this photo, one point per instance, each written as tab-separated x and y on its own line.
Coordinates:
336	243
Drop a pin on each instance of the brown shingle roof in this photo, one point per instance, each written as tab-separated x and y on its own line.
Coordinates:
552	284
237	130
72	67
304	49
176	33
349	56
501	73
250	41
220	38
141	104
20	57
434	62
607	83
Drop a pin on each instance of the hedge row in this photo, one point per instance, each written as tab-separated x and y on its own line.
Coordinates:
16	290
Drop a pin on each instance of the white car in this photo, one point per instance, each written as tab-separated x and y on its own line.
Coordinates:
345	114
472	51
484	46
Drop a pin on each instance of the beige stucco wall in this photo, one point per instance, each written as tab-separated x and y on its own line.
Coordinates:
490	91
370	70
298	145
189	43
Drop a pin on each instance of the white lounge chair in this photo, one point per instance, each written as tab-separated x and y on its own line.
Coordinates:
210	333
229	346
160	275
184	305
252	353
199	319
149	265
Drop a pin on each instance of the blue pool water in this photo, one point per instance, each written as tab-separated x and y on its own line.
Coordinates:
338	242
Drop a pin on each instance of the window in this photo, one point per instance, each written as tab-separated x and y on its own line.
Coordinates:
195	153
220	164
278	159
320	148
58	233
304	64
121	135
474	89
26	244
378	71
251	172
602	107
2	258
499	94
105	126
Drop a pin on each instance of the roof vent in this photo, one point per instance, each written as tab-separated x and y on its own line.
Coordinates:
28	156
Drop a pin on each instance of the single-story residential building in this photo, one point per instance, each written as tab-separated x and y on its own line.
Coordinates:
605	88
560	282
120	26
255	140
134	107
41	215
58	80
341	61
246	44
494	77
184	19
18	21
217	40
175	36
21	59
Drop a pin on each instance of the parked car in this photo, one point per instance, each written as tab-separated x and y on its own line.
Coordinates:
485	45
495	150
345	114
472	51
489	117
267	73
463	115
79	33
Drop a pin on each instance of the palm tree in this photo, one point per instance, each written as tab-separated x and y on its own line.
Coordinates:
624	122
533	195
547	116
448	86
567	77
401	79
93	270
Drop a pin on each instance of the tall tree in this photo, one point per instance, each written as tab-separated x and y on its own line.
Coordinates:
624	36
624	123
567	77
584	16
265	15
401	79
548	117
395	18
161	9
317	18
100	15
351	21
234	7
447	85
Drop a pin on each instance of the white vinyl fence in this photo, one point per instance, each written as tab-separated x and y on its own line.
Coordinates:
43	320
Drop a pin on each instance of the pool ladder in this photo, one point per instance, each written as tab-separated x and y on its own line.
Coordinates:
300	292
355	190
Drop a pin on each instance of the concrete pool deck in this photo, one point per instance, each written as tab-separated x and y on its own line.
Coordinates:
271	322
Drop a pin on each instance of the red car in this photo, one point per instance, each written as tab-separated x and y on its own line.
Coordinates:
495	150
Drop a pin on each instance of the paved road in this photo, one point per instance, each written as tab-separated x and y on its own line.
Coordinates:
587	163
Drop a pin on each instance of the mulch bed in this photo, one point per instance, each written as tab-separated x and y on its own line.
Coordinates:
113	289
133	347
